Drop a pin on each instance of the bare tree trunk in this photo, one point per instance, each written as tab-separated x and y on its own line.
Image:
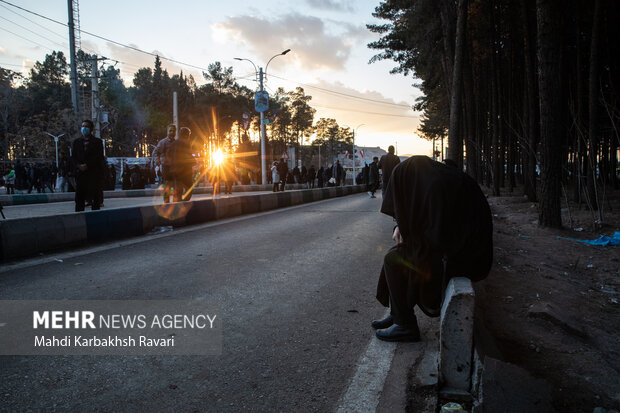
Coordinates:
549	62
531	143
455	140
593	96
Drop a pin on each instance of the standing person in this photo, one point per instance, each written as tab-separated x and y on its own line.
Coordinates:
183	164
87	156
112	177
373	177
230	175
365	172
9	181
296	175
63	172
283	172
126	177
304	175
46	178
311	176
327	175
163	155
319	177
275	177
387	163
337	173
20	175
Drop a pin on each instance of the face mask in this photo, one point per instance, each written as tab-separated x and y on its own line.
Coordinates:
85	131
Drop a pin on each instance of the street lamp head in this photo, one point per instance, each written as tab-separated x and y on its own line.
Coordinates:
285	52
237	58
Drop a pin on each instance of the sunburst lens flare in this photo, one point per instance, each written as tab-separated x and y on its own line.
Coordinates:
218	157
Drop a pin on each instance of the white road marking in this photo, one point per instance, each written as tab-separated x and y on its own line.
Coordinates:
365	389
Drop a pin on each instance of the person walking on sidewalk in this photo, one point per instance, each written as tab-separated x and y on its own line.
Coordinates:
387	163
275	177
283	172
182	166
163	156
373	177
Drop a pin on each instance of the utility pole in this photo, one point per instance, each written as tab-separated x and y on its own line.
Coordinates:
175	111
72	63
95	98
354	180
263	153
95	106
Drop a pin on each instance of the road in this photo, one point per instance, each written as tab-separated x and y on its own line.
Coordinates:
297	289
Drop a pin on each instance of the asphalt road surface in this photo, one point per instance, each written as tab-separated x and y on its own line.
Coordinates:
297	291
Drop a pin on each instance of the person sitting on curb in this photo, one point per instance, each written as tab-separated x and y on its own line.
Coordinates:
443	229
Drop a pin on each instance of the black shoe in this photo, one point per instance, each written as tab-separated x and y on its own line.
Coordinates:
384	323
399	333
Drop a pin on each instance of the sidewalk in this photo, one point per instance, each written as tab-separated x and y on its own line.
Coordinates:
64	207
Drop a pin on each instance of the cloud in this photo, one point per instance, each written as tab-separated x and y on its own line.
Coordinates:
331	5
314	45
352	107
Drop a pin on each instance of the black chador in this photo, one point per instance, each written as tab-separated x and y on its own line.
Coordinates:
447	230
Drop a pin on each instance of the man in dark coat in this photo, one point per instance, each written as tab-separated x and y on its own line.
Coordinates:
162	155
337	173
444	229
387	163
319	177
283	172
373	177
87	156
311	176
183	162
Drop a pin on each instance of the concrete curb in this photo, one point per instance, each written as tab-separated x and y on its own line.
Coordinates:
456	339
25	237
26	199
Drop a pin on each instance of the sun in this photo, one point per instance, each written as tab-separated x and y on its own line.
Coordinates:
218	157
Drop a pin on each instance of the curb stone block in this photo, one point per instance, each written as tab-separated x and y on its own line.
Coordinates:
112	224
19	237
269	201
227	207
74	228
250	204
201	211
456	335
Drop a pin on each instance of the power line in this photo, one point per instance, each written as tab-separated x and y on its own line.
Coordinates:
24	38
343	94
9	64
108	40
33	32
33	22
366	112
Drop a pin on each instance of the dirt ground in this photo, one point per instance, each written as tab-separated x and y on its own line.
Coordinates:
553	304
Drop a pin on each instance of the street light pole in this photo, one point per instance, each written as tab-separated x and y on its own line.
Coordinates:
354	177
263	154
56	142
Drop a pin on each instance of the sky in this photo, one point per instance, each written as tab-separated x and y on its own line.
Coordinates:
328	41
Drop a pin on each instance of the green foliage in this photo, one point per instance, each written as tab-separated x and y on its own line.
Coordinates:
139	113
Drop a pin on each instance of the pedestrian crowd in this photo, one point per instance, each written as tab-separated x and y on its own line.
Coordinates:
281	174
29	176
